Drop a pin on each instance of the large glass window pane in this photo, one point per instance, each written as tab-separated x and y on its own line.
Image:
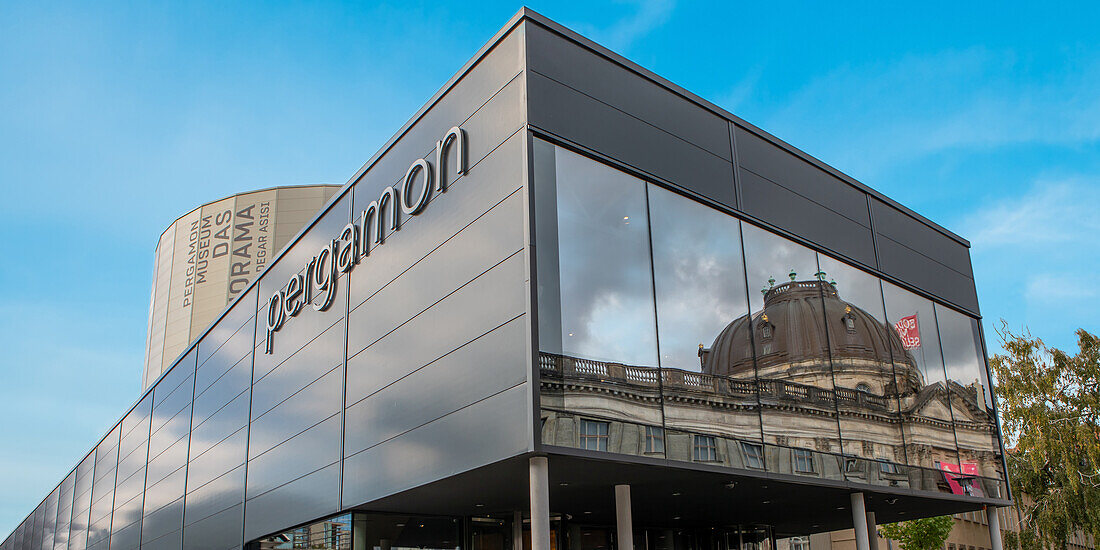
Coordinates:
603	245
922	391
863	347
597	323
400	532
972	403
698	274
699	278
330	534
798	406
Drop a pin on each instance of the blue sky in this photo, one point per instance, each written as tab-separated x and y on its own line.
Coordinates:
115	118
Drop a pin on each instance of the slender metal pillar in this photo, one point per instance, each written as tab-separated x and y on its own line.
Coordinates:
517	530
859	521
994	521
540	504
624	523
872	531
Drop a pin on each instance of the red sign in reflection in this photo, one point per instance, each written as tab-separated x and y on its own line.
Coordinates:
962	480
909	331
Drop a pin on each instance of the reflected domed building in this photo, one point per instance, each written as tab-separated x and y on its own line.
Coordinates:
790	376
803	322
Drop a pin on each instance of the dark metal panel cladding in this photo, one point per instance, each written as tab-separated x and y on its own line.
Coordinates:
313	496
138	418
489	182
486	431
64	511
164	520
78	526
315	359
174	378
467	375
789	211
218	459
907	231
167	461
219	425
487	241
220	494
232	354
927	274
775	164
226	330
169	541
221	531
50	520
163	493
300	455
576	117
126	538
127	510
304	409
466	313
218	418
593	75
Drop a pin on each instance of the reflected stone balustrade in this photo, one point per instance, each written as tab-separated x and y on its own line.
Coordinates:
635	400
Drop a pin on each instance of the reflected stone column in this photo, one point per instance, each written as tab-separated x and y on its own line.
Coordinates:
624	523
358	532
540	504
872	531
859	521
517	530
994	521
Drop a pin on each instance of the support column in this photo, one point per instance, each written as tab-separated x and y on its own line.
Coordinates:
859	521
624	523
517	530
872	531
540	504
994	521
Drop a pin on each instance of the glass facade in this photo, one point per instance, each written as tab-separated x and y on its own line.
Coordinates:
683	332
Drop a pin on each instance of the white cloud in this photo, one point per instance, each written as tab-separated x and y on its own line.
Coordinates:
1061	213
624	32
1036	256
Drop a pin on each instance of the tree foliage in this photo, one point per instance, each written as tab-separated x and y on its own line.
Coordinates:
1050	411
920	534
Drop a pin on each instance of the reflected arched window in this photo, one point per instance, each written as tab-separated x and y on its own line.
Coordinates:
863	387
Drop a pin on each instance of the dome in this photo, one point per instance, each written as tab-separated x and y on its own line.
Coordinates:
801	323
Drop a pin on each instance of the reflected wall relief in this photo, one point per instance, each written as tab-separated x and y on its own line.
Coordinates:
672	330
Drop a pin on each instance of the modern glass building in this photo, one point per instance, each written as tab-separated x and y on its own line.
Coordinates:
569	306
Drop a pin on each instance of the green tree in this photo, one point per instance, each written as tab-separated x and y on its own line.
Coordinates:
1050	411
920	534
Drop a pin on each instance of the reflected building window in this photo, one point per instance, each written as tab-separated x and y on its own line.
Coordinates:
594	435
803	461
754	455
654	439
705	449
886	467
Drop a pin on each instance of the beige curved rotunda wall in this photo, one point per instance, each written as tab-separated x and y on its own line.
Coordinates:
210	255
